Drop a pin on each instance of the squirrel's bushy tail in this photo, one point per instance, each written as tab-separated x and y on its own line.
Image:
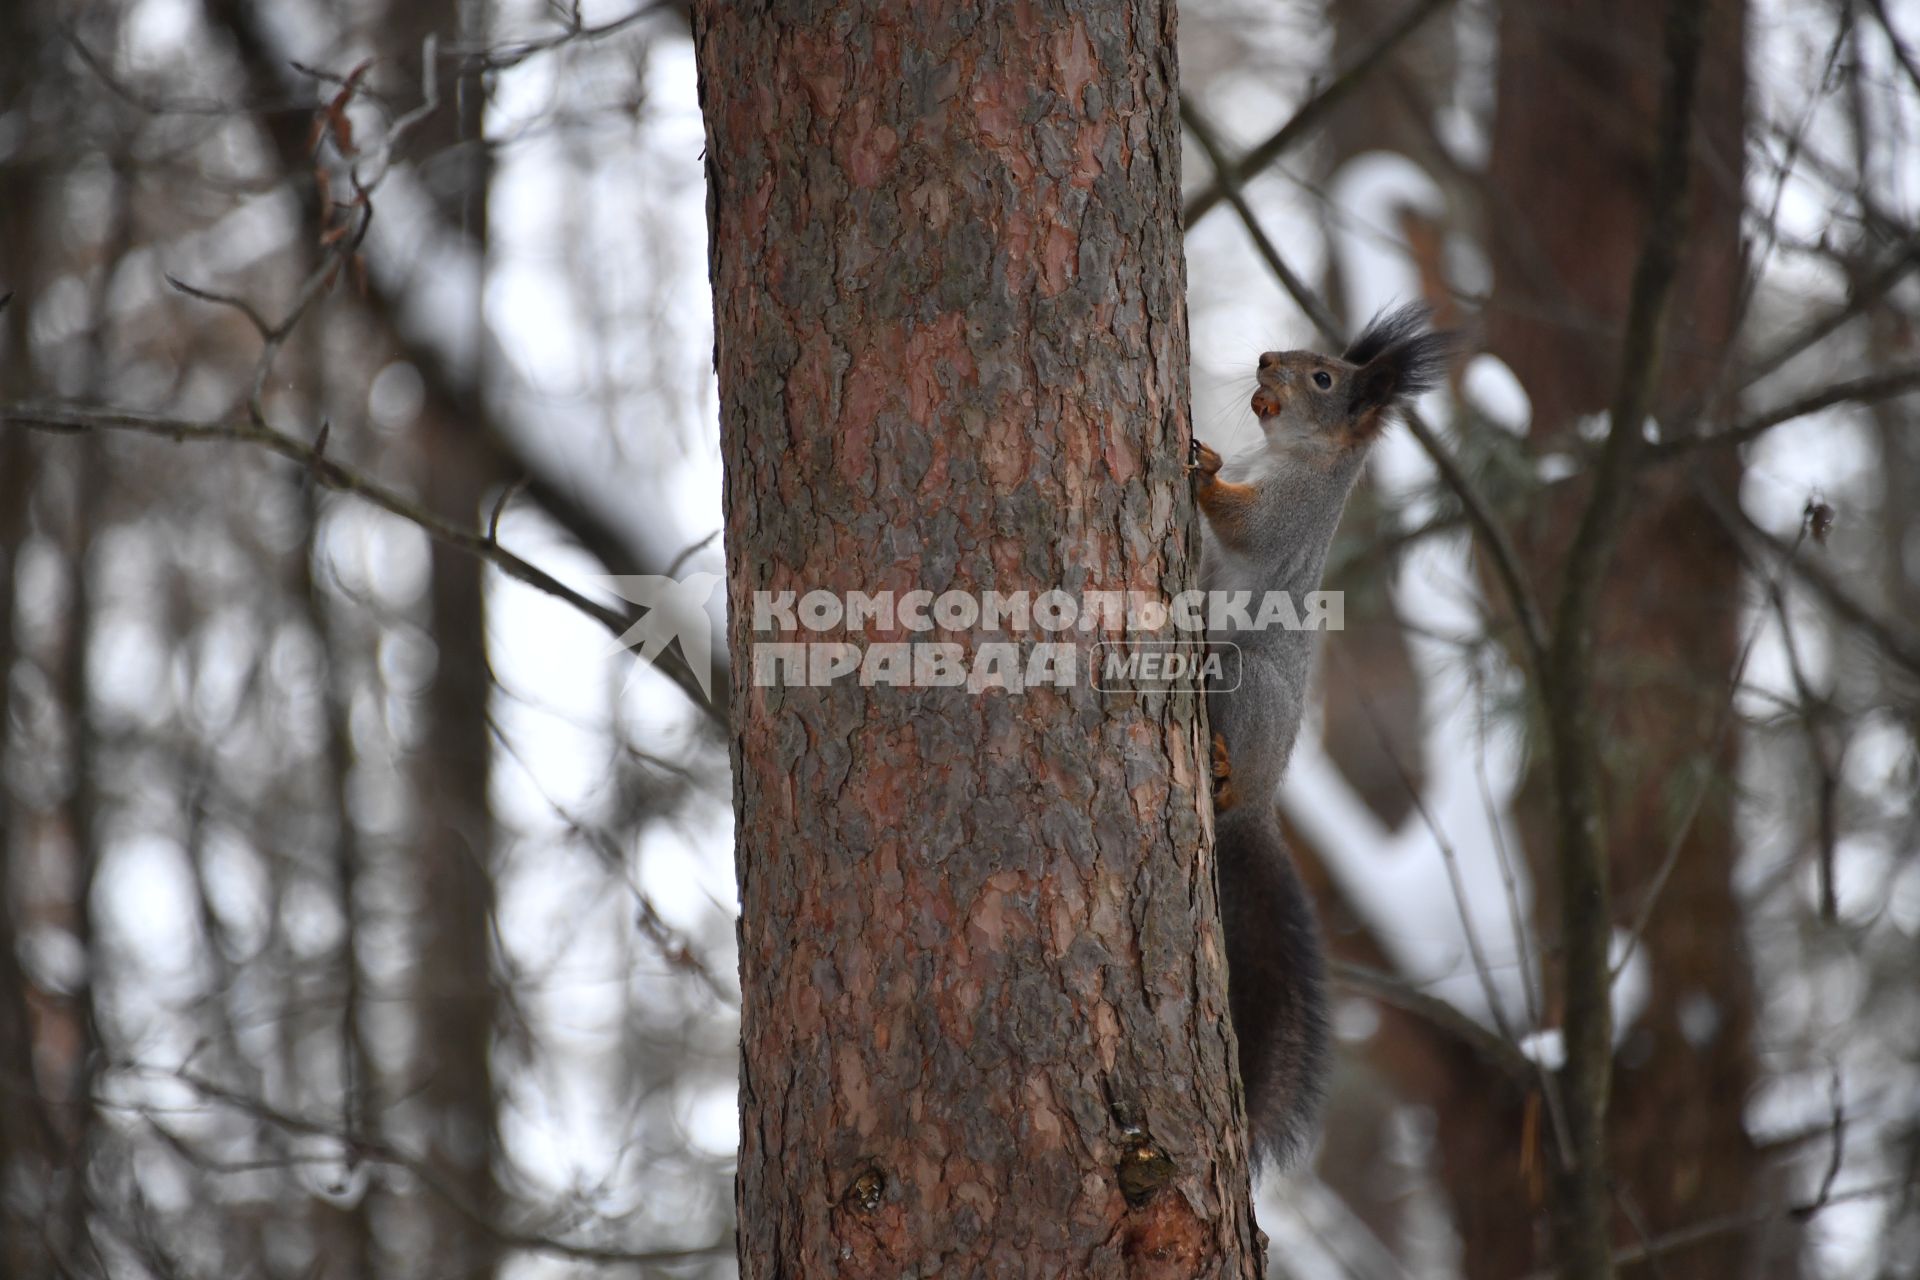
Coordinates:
1276	983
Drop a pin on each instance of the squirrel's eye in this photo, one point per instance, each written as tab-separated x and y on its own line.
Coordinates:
1322	380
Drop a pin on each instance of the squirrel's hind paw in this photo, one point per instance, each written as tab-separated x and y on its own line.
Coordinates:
1222	775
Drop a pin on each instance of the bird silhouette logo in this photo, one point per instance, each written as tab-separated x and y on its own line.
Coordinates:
676	609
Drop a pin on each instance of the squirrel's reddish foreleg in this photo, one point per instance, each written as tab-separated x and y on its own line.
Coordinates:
1227	505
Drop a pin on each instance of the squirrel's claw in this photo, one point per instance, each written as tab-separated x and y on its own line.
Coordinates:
1202	459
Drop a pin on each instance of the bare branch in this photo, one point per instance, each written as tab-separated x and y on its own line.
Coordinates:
677	950
1836	1150
384	1153
1308	115
333	475
1864	295
501	58
1585	914
1228	184
1483	971
689	551
241	305
507	495
1630	1209
447	389
1899	647
1388	989
1901	54
1811	717
1722	727
1870	389
1733	1224
1540	1077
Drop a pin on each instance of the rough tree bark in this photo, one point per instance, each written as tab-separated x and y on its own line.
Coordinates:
984	1015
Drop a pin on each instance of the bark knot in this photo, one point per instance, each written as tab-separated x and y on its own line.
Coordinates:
866	1191
1144	1168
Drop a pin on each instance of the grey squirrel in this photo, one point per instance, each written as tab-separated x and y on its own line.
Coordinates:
1269	520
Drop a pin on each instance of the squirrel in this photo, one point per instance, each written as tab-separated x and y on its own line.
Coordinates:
1268	522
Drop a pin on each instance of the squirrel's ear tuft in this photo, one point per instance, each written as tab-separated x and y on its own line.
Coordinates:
1399	357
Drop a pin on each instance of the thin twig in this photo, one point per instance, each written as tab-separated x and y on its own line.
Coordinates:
1530	967
1309	112
379	162
589	528
1864	295
1392	990
1870	389
688	552
1735	1223
1836	1150
502	58
333	475
385	1153
1585	914
1630	1209
1448	857
507	495
1716	739
1493	539
676	950
245	308
1899	647
1754	258
1229	185
1811	711
1901	53
1540	1077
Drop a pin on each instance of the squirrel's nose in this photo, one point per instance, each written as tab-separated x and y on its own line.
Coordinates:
1270	360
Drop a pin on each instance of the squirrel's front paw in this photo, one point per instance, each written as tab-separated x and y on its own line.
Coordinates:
1202	459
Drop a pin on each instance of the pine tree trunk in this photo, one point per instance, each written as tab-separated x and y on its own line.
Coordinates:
984	1012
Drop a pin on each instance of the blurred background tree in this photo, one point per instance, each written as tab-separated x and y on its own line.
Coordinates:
362	916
